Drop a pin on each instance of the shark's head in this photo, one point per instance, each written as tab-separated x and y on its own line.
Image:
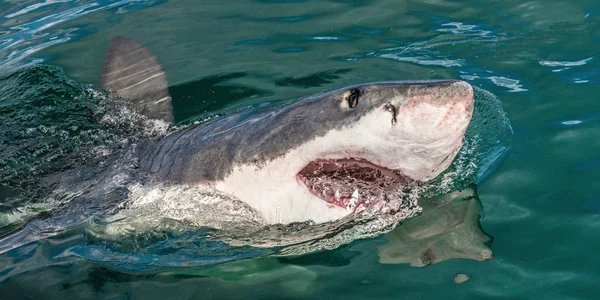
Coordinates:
351	147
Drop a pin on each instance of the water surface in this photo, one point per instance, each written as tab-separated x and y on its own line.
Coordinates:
540	205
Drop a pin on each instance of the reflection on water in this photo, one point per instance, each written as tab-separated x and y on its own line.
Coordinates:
448	228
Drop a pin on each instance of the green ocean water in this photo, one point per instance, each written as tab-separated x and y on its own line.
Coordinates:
540	58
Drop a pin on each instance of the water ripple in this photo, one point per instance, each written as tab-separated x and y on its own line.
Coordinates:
433	52
460	28
512	84
34	7
328	38
16	44
576	121
425	60
576	71
550	63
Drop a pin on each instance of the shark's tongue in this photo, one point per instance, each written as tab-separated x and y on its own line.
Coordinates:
351	183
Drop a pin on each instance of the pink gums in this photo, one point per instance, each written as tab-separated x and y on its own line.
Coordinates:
336	181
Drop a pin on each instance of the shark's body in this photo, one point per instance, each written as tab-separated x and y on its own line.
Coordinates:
317	159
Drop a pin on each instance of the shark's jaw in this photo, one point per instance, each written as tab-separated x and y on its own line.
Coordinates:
351	183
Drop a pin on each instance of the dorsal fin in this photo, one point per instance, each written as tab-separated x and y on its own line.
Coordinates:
134	73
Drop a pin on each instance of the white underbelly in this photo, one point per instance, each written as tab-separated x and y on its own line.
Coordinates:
276	195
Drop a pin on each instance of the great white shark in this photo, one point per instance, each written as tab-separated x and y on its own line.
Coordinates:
317	159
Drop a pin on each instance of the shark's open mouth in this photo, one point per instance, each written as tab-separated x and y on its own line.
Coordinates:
351	183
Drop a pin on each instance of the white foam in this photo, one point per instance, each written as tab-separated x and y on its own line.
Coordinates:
150	208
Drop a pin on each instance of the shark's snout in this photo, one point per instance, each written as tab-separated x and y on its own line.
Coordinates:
457	99
436	112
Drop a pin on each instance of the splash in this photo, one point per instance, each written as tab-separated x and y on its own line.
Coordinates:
51	125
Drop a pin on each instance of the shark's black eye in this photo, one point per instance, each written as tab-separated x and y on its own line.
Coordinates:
353	98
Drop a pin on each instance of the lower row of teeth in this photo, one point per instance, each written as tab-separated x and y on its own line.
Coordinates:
353	202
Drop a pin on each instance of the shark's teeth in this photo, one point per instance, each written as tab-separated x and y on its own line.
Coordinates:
337	194
351	204
353	200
